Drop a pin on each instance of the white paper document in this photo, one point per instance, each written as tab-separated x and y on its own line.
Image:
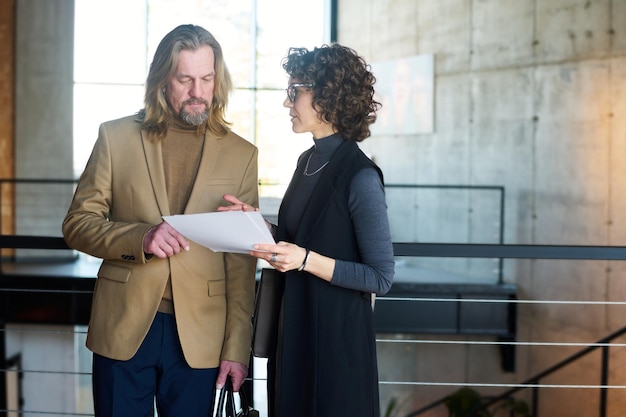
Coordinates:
223	231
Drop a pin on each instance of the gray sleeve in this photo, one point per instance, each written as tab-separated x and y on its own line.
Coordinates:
371	224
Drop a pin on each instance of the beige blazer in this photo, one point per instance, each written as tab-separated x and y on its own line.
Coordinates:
120	195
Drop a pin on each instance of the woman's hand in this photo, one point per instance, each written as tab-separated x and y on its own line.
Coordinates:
283	256
237	205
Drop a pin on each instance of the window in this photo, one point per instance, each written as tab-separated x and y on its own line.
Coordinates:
112	61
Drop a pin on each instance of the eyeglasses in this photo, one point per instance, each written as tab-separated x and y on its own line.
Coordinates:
292	91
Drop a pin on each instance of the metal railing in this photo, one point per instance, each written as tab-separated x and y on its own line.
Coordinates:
533	383
436	250
500	198
442	250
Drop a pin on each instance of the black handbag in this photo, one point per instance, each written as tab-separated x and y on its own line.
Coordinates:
267	304
226	403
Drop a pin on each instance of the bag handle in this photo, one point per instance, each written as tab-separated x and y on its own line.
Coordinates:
219	410
226	402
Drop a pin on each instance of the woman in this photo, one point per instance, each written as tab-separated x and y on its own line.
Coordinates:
333	240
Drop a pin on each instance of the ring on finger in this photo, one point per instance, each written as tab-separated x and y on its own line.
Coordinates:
274	257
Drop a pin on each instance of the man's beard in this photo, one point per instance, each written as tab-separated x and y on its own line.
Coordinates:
196	118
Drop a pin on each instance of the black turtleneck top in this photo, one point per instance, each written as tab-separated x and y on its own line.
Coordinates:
369	215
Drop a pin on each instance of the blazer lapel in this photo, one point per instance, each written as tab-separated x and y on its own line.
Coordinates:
154	160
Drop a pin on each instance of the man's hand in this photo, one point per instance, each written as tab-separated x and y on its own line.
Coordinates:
164	241
237	371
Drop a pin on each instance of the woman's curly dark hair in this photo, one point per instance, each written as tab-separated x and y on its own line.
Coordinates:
343	91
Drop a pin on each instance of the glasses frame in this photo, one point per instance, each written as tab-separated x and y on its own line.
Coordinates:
292	92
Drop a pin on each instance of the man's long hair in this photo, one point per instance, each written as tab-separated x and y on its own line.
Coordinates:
156	117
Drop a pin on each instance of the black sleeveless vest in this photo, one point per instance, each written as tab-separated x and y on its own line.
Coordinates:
326	360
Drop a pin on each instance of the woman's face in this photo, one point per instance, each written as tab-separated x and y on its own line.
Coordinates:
304	118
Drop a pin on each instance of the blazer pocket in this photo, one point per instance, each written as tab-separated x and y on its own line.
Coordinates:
221	181
217	287
114	272
211	195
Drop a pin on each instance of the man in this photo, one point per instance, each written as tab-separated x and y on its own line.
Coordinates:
169	318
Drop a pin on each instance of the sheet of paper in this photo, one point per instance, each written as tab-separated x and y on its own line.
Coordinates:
224	231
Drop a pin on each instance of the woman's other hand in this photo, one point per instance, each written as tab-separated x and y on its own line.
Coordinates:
283	256
236	204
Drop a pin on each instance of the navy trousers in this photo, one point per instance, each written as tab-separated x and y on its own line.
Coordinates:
158	371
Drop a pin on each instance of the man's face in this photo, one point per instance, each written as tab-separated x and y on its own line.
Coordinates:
190	91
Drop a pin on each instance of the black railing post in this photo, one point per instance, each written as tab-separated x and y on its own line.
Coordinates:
535	401
3	372
501	237
604	379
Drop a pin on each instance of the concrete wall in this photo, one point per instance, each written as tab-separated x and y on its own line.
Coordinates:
530	95
44	85
43	150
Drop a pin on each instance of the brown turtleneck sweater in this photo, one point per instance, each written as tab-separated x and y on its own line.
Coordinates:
182	150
